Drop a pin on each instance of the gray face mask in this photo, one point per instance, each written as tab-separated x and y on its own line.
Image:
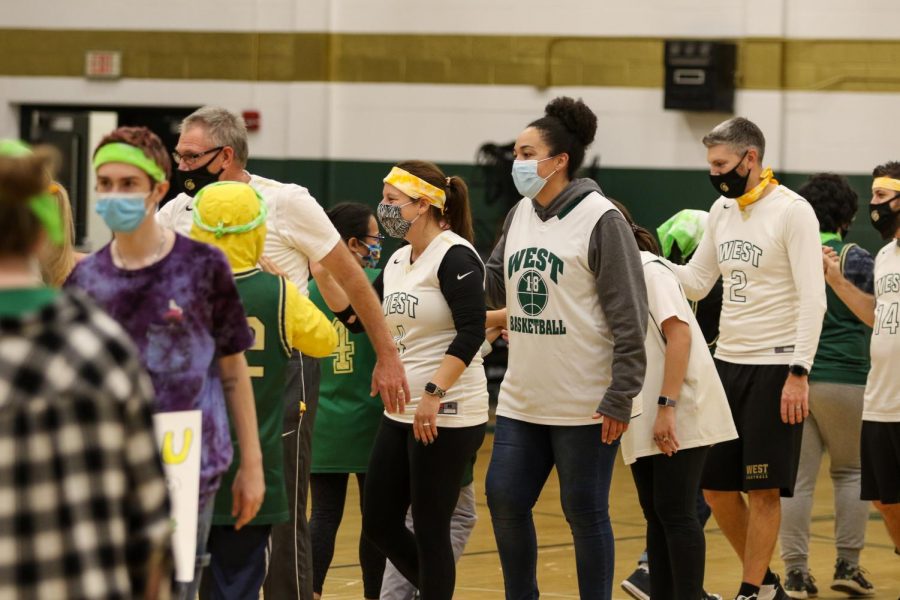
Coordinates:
392	221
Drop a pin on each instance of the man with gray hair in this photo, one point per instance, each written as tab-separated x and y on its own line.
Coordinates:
763	240
213	147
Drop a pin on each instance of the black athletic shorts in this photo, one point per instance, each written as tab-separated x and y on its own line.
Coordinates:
767	452
880	455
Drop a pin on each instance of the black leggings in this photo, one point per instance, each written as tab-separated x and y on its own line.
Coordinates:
676	549
402	473
329	493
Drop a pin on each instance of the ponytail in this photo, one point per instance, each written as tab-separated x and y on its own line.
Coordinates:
457	213
645	240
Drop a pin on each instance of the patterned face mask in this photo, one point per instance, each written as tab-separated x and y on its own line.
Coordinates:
392	220
370	261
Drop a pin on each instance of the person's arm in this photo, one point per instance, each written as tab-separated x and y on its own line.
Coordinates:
495	278
460	276
805	257
802	242
496	319
308	329
678	352
859	302
614	257
388	377
700	274
148	497
249	487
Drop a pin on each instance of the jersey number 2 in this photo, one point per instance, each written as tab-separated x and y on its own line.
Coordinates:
738	283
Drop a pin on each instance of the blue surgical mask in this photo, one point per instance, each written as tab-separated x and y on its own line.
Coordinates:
122	212
526	178
371	259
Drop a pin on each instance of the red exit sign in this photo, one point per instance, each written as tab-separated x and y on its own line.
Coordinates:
103	64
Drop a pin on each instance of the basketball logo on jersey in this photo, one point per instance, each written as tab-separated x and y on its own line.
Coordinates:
532	293
532	290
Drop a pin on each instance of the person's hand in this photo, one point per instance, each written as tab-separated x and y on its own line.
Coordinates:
505	335
612	428
831	263
269	266
247	492
425	422
389	380
664	430
795	400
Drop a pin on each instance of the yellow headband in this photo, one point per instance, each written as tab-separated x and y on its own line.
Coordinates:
416	187
887	183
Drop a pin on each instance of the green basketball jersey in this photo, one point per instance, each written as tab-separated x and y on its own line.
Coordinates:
843	352
347	417
263	296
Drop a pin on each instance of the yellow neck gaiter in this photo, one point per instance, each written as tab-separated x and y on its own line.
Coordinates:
748	198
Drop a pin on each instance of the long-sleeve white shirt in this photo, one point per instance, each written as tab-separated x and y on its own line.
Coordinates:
770	260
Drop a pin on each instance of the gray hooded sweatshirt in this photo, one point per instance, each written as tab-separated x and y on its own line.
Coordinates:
614	258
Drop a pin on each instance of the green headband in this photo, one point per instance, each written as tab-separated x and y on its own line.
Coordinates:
118	152
219	230
685	227
44	205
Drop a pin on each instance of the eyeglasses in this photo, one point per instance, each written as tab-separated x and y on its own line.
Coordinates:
190	159
378	237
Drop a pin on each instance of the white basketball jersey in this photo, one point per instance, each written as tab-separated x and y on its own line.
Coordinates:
882	400
560	346
420	320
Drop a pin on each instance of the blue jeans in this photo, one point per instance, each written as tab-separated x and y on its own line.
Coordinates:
524	454
188	590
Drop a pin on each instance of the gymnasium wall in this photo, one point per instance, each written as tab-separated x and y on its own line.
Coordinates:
345	87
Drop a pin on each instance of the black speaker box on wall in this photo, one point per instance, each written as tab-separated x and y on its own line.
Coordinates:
700	75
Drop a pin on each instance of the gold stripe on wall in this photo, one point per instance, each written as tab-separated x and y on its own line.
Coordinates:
541	61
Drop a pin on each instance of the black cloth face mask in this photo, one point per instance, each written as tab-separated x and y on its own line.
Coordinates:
731	184
194	180
884	218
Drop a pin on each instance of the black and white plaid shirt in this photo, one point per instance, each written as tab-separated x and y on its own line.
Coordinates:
83	499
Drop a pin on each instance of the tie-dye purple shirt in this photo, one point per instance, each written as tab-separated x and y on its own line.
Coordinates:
183	313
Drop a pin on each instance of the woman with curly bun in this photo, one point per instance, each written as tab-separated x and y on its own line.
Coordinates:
569	273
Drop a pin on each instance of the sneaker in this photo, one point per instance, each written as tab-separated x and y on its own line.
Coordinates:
750	597
851	579
773	591
708	596
798	584
638	583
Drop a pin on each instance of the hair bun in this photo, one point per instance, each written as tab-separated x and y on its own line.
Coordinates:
575	116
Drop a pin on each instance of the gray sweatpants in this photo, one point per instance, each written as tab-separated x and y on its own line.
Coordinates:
395	586
834	424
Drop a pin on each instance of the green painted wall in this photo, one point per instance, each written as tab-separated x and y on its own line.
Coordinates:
652	195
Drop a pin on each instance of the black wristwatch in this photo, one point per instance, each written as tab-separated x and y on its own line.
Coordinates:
799	370
666	401
434	390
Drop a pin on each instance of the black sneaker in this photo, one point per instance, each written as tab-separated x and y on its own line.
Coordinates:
638	583
708	596
750	597
851	579
773	591
798	584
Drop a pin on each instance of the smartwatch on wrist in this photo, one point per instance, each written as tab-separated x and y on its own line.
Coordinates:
799	370
666	401
433	390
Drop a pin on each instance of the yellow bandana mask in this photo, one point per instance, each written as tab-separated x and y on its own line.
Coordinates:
753	195
416	187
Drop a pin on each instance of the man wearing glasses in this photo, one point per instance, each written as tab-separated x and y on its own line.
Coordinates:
212	146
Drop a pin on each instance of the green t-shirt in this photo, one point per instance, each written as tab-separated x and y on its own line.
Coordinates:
263	296
843	352
15	302
347	418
